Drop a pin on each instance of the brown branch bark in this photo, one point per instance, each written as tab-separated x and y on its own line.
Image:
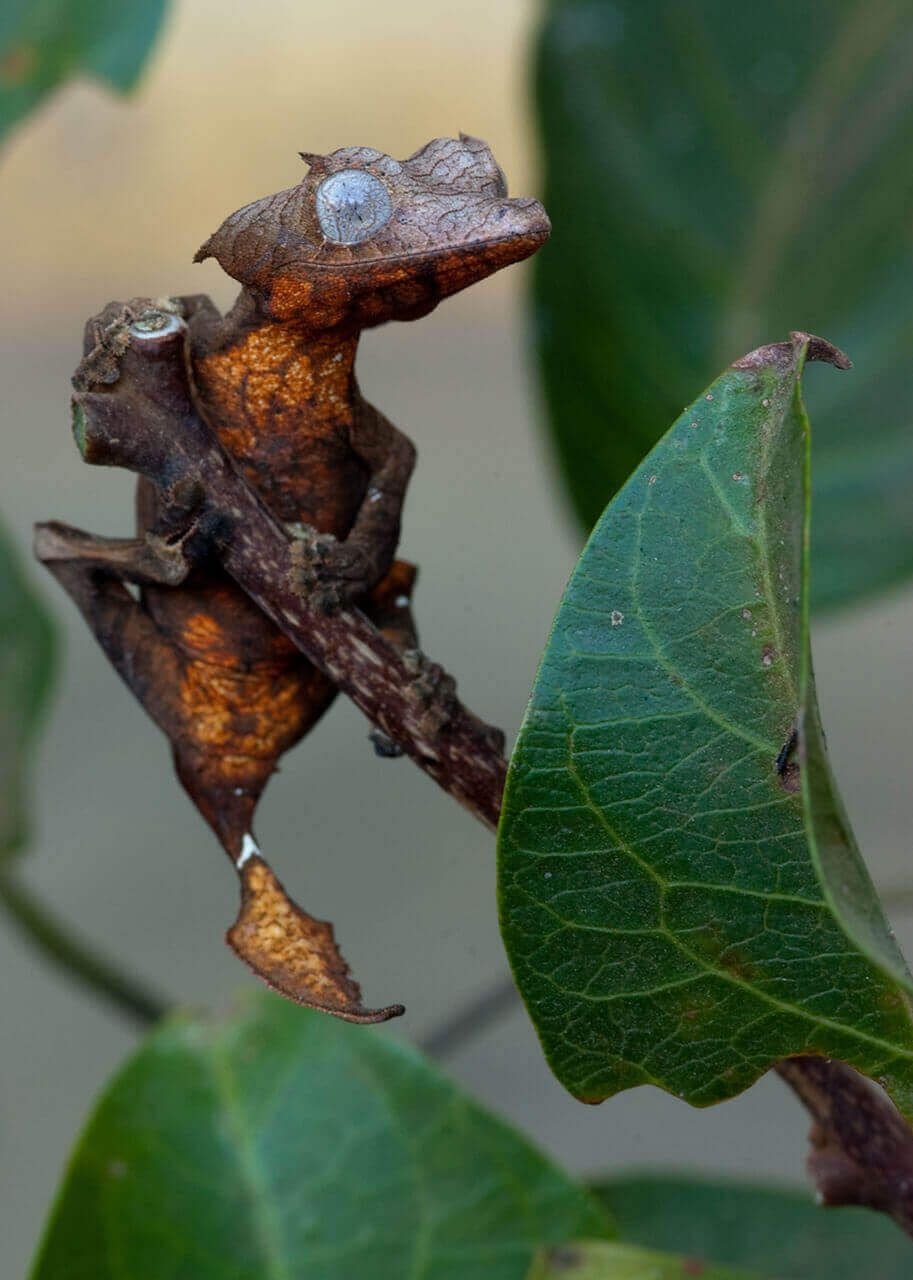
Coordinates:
145	420
862	1148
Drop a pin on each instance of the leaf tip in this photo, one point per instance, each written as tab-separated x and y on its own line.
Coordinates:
822	350
782	354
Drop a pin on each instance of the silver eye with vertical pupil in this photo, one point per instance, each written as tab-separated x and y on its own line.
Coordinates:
352	205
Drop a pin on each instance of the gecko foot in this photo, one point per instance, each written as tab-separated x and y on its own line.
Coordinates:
149	560
432	688
327	572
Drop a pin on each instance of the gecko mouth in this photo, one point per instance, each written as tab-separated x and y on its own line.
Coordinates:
521	244
402	285
525	240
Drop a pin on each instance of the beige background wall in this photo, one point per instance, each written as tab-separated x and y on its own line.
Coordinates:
105	199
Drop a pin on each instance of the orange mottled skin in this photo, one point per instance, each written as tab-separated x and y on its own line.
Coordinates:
283	407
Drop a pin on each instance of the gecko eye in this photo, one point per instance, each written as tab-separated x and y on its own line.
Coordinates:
351	206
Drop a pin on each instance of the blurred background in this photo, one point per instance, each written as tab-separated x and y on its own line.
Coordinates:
107	198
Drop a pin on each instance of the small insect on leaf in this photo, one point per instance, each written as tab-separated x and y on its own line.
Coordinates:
604	1260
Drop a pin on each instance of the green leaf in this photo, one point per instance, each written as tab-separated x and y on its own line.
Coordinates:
283	1143
45	42
682	899
26	666
779	1232
717	173
597	1260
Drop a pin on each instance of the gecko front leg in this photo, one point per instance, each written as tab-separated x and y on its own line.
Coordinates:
146	561
336	572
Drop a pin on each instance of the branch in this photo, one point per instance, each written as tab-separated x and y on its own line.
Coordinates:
138	413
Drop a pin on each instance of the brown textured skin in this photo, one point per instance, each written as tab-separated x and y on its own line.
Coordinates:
274	379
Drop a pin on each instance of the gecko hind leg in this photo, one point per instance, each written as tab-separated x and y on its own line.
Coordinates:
293	953
94	572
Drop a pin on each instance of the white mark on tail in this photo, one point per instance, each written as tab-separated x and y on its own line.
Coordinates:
247	848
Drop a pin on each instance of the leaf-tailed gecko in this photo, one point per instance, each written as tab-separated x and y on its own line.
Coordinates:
361	240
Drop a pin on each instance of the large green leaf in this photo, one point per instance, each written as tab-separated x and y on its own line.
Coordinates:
285	1144
26	664
45	42
776	1231
716	173
682	899
598	1260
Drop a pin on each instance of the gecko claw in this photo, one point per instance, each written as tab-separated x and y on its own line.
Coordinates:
383	745
432	687
327	572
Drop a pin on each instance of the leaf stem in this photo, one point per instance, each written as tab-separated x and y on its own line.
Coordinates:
55	942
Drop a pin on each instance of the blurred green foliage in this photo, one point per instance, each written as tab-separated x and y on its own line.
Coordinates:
718	175
775	1230
45	42
285	1143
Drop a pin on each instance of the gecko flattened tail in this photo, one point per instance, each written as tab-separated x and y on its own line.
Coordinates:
290	951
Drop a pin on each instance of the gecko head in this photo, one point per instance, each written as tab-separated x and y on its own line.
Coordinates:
365	238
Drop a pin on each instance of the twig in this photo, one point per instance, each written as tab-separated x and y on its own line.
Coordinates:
57	944
862	1150
143	418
